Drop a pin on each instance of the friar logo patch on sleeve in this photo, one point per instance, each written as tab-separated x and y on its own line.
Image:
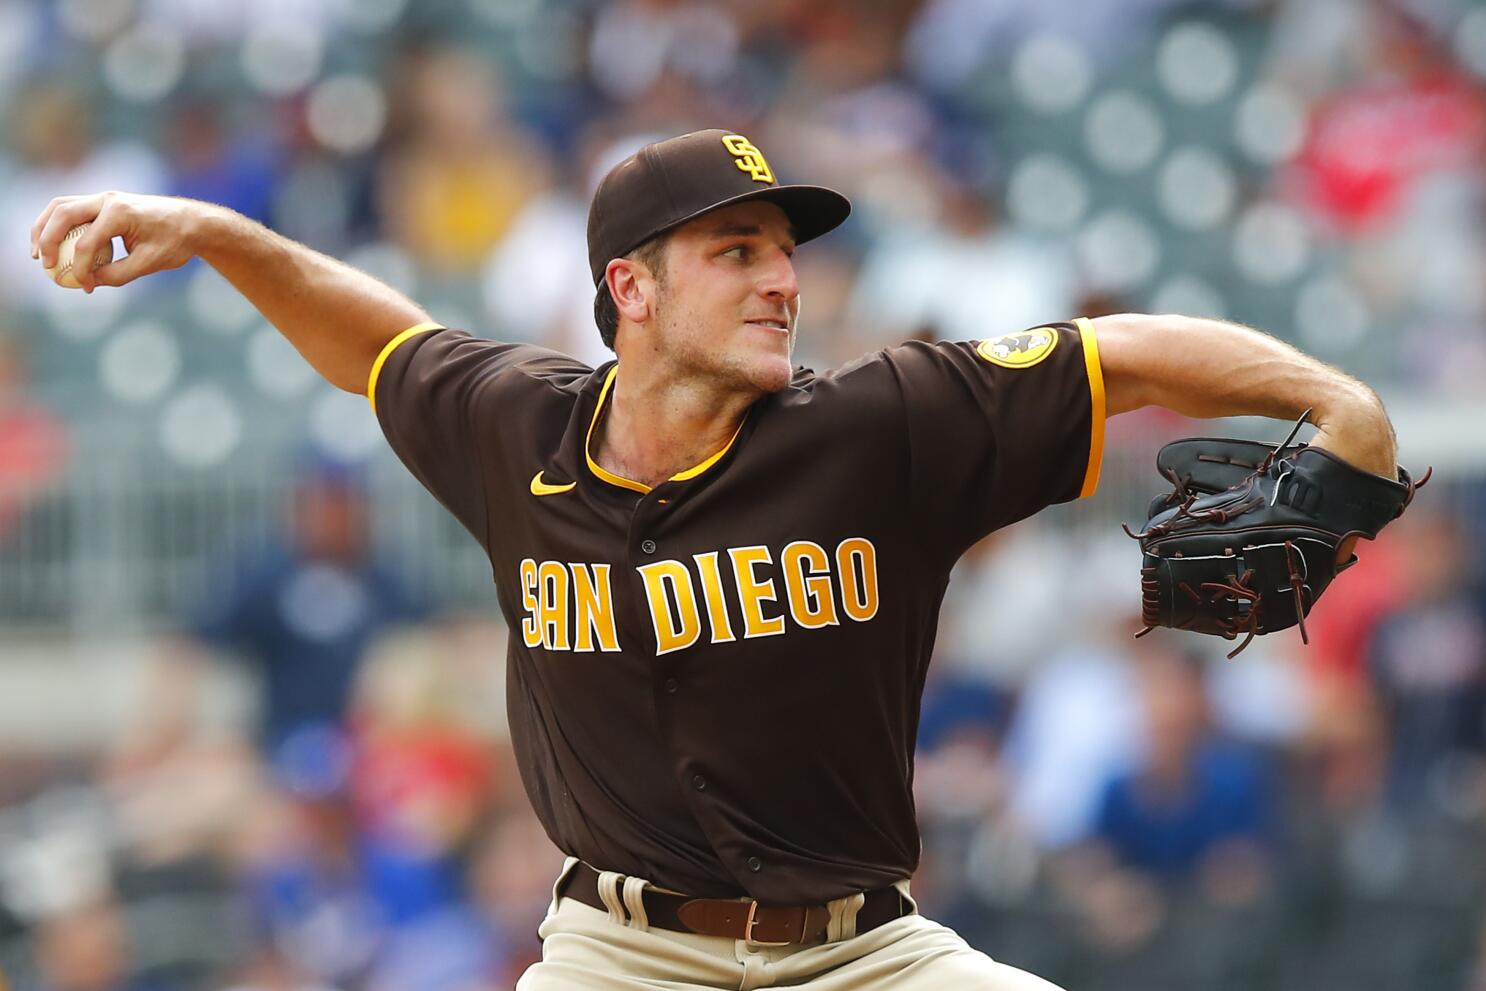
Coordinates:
1023	349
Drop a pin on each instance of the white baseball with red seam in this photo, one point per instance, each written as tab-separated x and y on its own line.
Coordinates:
64	273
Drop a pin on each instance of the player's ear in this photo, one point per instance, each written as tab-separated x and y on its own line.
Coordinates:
629	287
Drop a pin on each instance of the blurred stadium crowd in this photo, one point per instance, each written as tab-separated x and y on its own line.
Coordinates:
340	810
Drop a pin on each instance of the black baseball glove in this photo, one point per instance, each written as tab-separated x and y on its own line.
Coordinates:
1248	539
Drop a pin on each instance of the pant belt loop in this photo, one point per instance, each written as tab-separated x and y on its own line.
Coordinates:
609	895
843	921
568	864
634	888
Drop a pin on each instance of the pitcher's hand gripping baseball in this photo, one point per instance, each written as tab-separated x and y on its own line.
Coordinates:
156	231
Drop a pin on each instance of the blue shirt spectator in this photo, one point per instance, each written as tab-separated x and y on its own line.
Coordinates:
1168	831
1190	792
304	614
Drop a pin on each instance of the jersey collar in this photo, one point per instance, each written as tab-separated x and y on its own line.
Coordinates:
628	483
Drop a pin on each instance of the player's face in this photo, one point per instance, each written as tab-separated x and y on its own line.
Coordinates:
730	300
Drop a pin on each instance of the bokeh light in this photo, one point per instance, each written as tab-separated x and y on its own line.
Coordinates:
1196	63
1196	188
275	368
200	426
144	63
1270	244
346	113
280	59
139	362
1270	124
1046	192
1051	74
1124	132
1119	251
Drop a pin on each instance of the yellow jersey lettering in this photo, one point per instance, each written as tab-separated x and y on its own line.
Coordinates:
858	590
753	593
807	581
552	605
717	609
673	605
530	634
594	605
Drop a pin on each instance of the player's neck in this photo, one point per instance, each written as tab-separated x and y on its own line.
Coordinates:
651	430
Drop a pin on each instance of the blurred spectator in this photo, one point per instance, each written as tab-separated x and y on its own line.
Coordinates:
33	439
1410	114
51	132
1358	600
1074	726
267	970
419	783
635	42
225	20
959	787
1002	608
1428	658
1316	44
87	949
1192	799
177	788
307	898
955	269
535	283
212	161
511	873
304	614
457	172
952	40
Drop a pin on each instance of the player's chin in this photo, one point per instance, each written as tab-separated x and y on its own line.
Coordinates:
775	378
770	370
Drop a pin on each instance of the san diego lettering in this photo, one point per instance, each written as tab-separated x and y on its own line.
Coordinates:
570	606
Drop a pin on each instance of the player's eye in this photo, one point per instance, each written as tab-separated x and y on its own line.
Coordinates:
737	251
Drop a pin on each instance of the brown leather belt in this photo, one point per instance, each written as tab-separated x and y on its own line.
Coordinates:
747	920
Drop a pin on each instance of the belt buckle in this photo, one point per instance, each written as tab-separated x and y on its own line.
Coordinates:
753	921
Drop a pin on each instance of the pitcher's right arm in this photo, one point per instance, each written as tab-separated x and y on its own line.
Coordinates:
338	318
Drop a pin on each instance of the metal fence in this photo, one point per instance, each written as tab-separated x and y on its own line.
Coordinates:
128	540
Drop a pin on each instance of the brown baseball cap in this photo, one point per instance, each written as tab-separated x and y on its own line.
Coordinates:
665	184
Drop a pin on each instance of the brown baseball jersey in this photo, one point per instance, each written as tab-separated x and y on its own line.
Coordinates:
715	683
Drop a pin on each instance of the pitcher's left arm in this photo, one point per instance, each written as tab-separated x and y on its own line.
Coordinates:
1211	368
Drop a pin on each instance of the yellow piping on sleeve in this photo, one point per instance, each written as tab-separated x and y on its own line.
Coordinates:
1096	403
392	345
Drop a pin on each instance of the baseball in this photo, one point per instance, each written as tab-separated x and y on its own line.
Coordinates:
63	273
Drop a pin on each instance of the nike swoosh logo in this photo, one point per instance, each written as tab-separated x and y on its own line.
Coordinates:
541	488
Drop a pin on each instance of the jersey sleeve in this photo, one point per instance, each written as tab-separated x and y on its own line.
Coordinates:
1001	428
439	397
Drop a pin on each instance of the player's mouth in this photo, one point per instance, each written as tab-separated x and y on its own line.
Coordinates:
768	323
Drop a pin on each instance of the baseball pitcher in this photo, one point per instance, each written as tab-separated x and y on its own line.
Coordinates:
723	572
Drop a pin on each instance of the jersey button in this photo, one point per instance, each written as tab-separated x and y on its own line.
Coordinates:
755	864
698	782
647	545
671	685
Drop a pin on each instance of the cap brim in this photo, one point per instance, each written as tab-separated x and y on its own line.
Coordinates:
812	210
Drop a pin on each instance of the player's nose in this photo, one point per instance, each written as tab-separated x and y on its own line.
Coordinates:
777	280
